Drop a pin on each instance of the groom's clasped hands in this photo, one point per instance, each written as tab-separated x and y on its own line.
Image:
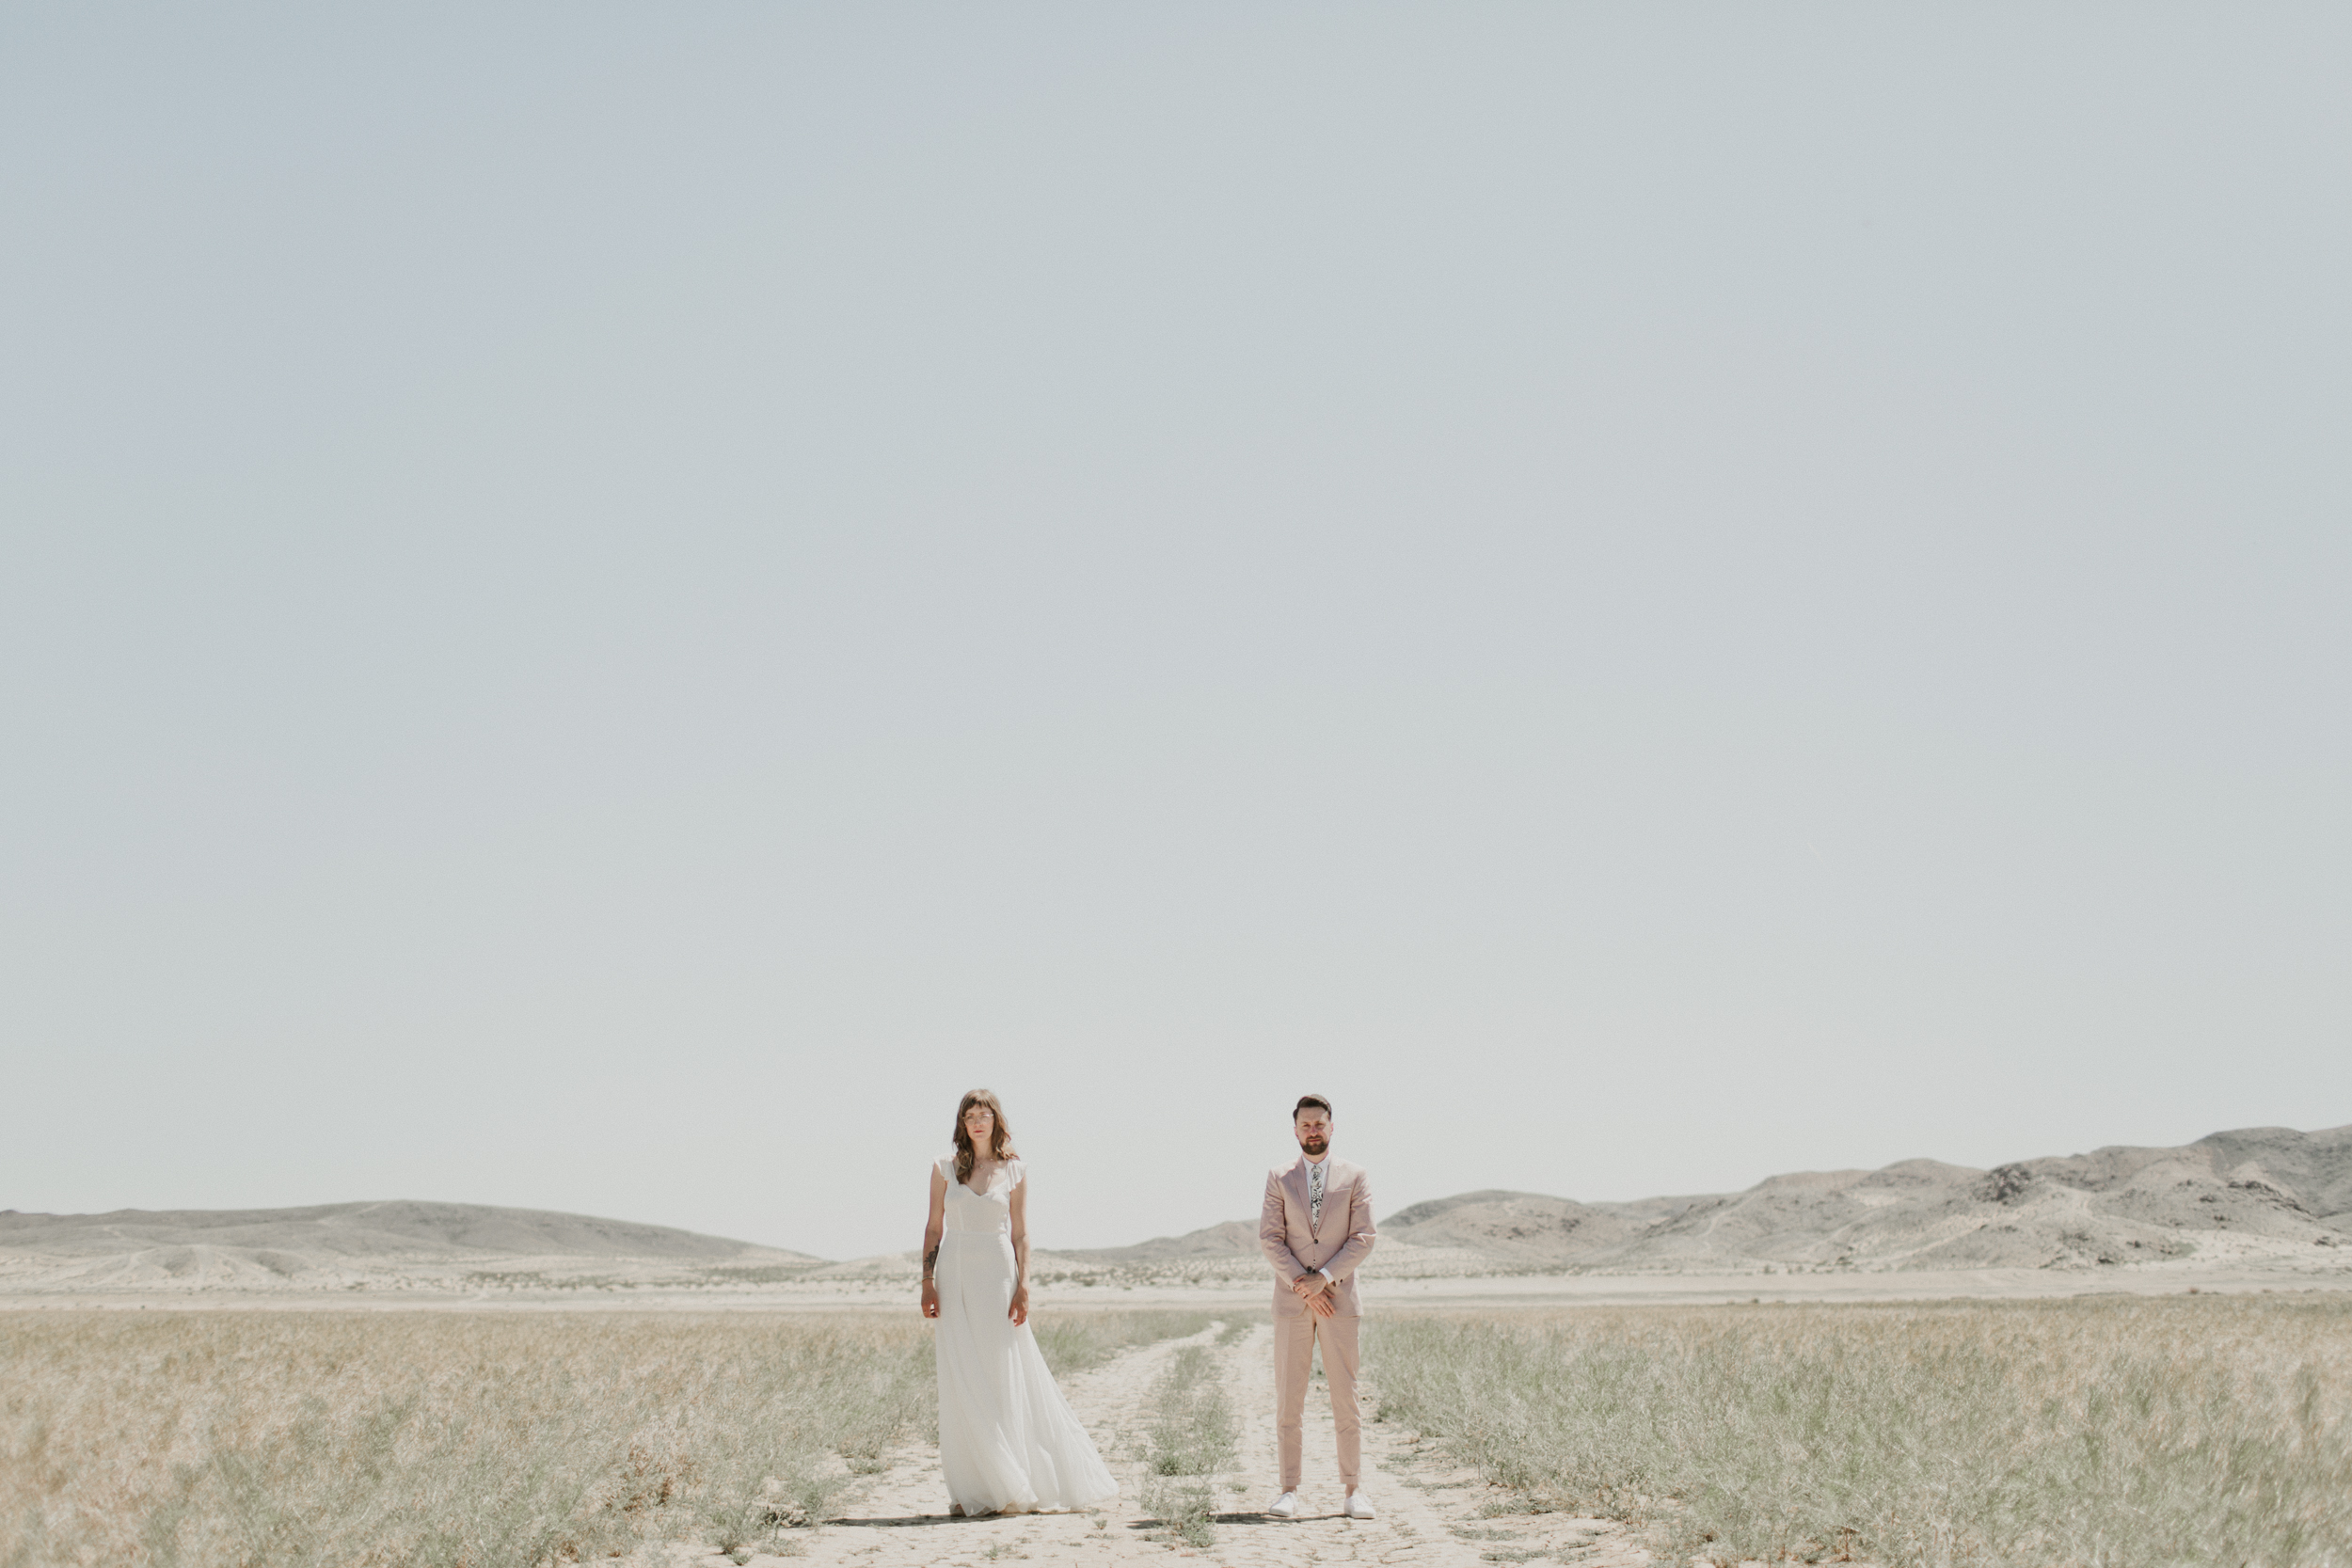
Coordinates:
1315	1290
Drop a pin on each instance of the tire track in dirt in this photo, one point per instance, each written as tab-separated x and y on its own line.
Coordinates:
1430	1511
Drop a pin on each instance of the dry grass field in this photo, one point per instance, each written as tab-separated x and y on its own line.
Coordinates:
2202	1430
482	1439
2199	1430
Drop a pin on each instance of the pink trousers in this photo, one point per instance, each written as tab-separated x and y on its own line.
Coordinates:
1294	1342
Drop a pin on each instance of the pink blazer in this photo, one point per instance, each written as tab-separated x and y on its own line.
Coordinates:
1341	1243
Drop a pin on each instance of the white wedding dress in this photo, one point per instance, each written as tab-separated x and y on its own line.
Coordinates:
1006	1439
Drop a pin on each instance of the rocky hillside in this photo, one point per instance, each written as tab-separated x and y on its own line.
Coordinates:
2265	1191
2233	1196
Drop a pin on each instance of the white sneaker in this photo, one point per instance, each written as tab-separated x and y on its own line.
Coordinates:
1283	1507
1358	1506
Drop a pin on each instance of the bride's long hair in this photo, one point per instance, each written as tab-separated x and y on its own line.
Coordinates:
999	1141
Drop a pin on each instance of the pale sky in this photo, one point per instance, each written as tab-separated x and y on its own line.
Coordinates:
602	608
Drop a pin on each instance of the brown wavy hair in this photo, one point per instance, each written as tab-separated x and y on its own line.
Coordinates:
999	1141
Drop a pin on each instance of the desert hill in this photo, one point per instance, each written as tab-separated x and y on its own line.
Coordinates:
352	1242
2233	1197
1519	1228
1527	1228
1233	1239
2265	1196
2256	1193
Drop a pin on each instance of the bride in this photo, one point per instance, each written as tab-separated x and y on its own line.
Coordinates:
1008	1443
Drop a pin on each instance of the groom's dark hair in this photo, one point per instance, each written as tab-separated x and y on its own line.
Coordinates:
1315	1100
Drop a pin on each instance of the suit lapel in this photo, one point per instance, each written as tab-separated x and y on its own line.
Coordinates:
1331	1181
1296	1179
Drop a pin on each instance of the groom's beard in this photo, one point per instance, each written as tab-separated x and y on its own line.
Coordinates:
1314	1148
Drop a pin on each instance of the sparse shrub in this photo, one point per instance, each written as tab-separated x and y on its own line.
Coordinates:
1190	1438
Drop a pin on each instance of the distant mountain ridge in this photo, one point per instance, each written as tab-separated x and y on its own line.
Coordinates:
2263	1192
1527	1228
2259	1192
1233	1238
397	1226
336	1242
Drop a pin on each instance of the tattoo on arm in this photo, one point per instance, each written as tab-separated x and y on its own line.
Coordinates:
929	1258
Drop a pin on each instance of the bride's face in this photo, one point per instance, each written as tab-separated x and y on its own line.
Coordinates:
979	1125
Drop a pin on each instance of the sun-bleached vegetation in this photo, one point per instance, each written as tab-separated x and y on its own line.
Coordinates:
2171	1430
227	1439
1190	1440
2203	1430
1073	1341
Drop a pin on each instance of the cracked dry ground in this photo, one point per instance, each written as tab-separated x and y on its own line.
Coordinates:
1431	1513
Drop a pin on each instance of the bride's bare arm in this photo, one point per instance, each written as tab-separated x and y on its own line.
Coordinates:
933	1229
1019	1311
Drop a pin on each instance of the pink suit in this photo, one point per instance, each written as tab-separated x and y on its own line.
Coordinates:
1295	1244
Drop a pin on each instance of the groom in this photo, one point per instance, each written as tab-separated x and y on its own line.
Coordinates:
1316	1229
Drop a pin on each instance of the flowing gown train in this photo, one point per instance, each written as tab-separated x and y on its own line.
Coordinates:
1006	1437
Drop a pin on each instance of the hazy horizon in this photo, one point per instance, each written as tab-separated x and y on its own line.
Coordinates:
1386	1213
602	610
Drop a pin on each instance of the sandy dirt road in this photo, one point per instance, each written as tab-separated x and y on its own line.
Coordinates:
1430	1512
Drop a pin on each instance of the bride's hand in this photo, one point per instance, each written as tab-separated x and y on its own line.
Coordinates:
1019	1310
930	1299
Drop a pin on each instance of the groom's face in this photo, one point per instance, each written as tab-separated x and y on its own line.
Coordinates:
1314	1127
